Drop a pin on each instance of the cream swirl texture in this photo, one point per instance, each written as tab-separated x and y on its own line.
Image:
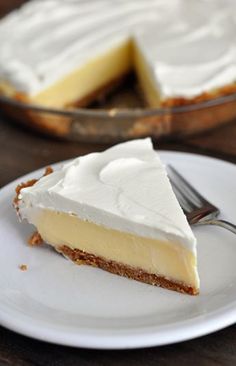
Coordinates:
124	188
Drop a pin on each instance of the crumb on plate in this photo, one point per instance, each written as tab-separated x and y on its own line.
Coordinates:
35	239
23	267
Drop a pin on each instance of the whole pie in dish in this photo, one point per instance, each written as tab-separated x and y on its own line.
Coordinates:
115	210
63	53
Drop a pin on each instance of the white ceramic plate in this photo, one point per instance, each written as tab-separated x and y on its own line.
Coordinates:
57	301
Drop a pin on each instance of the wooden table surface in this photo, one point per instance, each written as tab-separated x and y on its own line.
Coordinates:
22	151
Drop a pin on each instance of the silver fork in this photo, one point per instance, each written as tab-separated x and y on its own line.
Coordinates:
197	209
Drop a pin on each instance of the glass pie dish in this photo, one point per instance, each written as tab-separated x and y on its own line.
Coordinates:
122	116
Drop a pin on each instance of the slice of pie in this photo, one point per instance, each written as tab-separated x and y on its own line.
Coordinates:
115	210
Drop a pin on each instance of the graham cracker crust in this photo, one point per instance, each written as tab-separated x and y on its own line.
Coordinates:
203	97
80	257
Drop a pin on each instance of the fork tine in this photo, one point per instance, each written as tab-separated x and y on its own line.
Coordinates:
186	204
197	197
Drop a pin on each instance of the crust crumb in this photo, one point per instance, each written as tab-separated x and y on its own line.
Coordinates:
20	187
48	171
35	239
23	267
30	183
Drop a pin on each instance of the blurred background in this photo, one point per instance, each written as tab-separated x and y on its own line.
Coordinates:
208	128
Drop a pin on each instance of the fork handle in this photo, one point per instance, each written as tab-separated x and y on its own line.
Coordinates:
222	223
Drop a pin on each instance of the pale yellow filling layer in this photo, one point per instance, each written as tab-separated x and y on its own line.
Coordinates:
153	256
146	81
85	80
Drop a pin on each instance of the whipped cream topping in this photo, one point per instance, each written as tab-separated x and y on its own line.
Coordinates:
189	46
125	188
